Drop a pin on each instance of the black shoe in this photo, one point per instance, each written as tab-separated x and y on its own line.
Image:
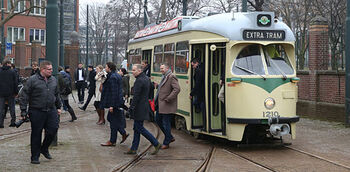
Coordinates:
46	155
1	126
12	125
82	108
35	161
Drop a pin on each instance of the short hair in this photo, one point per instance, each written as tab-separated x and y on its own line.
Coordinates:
145	61
195	60
6	62
124	71
111	66
100	67
166	65
66	67
60	68
45	63
138	66
90	66
35	63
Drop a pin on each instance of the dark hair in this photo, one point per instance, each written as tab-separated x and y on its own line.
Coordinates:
13	65
195	60
124	71
43	64
5	62
111	66
90	66
66	67
60	68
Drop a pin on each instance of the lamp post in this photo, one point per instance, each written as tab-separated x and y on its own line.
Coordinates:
3	42
347	66
244	6
51	34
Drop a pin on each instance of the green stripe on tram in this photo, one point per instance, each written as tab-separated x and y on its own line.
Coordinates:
156	74
183	112
268	85
177	76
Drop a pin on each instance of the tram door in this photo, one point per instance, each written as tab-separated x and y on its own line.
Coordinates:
146	55
216	71
197	51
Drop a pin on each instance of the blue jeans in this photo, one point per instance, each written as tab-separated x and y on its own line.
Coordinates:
11	104
117	124
163	121
139	129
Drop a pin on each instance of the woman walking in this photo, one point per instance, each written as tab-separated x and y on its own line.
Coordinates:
100	79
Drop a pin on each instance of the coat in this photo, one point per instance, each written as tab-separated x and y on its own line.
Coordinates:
199	82
9	82
92	82
112	92
100	79
126	85
139	106
167	96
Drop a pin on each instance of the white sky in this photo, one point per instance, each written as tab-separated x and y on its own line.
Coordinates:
84	2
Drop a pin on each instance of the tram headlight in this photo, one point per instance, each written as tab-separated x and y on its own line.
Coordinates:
269	103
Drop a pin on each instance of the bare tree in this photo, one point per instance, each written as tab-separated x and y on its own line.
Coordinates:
224	6
258	5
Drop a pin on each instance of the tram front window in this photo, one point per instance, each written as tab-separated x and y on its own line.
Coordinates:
249	62
277	60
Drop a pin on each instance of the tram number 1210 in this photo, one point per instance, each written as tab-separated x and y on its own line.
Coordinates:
271	114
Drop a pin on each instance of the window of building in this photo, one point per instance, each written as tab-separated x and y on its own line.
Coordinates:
38	11
158	57
37	34
15	33
169	52
21	6
181	59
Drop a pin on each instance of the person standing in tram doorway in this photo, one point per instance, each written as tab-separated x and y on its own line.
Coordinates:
166	102
198	91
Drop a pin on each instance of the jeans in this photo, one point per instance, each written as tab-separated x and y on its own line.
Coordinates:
163	121
11	104
42	120
117	124
139	129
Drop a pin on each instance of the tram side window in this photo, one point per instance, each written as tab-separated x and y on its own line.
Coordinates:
277	60
248	62
169	52
130	55
181	60
136	59
158	56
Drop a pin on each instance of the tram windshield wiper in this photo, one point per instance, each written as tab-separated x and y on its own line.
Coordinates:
249	71
279	69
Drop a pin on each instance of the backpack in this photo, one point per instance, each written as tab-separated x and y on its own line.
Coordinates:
66	88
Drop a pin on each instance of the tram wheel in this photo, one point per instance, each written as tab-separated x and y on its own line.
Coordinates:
180	123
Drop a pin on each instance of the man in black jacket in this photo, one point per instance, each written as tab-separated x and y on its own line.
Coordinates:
92	86
8	91
80	84
198	91
42	94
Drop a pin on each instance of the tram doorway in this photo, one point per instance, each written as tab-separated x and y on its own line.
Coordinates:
146	55
215	73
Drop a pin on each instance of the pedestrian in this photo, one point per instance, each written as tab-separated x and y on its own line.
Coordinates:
100	79
112	98
139	109
198	91
126	86
146	68
8	91
35	68
166	102
65	89
80	82
91	87
42	94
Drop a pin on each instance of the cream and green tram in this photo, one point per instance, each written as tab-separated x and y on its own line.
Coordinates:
252	52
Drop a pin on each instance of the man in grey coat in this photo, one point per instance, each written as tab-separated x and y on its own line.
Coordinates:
139	109
166	102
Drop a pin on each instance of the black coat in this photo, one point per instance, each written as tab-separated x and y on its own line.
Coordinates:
76	77
199	81
92	82
126	85
9	82
147	70
139	106
112	92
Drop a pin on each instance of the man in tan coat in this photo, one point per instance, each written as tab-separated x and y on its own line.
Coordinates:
166	102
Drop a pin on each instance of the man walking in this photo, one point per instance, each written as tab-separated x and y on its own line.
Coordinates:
92	86
42	94
112	98
80	84
166	102
8	91
65	89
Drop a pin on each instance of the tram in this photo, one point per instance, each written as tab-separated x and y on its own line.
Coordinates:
253	51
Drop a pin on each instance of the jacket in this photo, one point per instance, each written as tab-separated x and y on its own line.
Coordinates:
167	96
40	94
126	85
139	106
9	82
112	92
100	79
76	75
199	81
92	82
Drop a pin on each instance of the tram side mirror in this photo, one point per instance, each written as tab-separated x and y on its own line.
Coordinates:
212	47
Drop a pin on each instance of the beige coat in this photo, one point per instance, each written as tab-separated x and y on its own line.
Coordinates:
100	78
167	97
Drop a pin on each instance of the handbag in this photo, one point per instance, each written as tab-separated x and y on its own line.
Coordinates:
151	104
100	88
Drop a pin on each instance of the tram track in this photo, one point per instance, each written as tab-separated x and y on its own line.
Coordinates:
138	157
205	165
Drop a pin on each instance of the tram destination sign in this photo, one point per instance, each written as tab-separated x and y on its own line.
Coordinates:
268	35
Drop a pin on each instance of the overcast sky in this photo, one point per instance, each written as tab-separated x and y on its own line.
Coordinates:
84	2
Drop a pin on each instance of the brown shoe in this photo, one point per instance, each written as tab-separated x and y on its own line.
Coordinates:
125	136
165	147
108	143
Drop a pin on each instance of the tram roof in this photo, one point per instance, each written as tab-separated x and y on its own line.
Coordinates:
228	25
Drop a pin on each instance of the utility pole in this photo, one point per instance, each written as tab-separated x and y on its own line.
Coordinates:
106	55
244	6
3	42
163	6
184	7
347	66
61	34
145	18
51	34
87	36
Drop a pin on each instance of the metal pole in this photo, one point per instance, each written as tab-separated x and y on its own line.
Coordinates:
244	6
51	34
87	35
106	57
145	14
347	65
184	9
2	56
61	34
